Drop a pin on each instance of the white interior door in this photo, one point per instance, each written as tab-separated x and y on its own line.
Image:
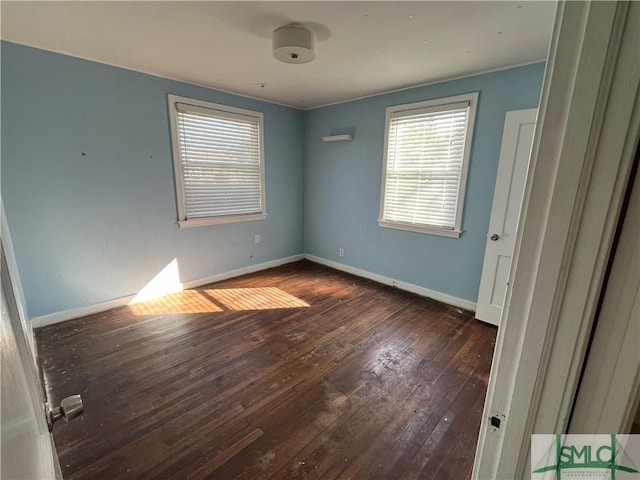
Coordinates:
26	446
517	138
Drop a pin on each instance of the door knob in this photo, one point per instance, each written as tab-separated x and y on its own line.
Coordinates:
494	237
70	408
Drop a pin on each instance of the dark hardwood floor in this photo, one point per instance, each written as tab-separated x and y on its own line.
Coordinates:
295	372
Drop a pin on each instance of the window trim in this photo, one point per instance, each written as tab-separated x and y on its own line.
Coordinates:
396	111
183	221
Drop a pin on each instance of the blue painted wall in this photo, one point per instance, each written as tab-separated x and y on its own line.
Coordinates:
342	184
99	226
88	186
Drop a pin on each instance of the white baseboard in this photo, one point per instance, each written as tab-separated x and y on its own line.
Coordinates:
57	317
241	271
409	287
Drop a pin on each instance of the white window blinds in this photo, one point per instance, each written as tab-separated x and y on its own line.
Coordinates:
424	164
220	159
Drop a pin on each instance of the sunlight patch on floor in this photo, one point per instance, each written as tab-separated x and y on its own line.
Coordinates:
255	298
217	300
188	301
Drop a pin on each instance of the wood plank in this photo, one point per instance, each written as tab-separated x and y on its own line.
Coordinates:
365	382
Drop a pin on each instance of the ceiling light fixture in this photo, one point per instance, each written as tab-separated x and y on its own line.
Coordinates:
294	43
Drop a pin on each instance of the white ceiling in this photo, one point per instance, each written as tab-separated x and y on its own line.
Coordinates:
363	47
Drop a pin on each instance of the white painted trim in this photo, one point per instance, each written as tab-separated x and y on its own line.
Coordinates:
273	102
13	266
200	222
57	317
218	277
609	150
608	393
577	178
224	111
166	77
426	84
437	104
420	229
52	318
29	425
409	287
16	282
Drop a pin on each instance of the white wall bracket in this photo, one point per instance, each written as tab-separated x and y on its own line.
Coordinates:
338	138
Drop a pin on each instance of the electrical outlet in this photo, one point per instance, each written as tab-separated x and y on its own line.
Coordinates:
257	239
341	252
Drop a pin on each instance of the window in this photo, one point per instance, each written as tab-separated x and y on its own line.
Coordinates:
218	159
426	153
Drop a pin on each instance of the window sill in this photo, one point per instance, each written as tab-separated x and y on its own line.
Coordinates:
420	229
201	222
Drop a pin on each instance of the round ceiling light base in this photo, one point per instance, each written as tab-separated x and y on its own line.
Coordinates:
294	43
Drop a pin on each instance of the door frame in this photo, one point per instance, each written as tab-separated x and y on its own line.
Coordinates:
17	308
23	333
581	160
16	283
609	389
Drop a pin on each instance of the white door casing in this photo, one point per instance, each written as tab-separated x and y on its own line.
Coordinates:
583	149
26	446
607	395
515	152
26	452
13	272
